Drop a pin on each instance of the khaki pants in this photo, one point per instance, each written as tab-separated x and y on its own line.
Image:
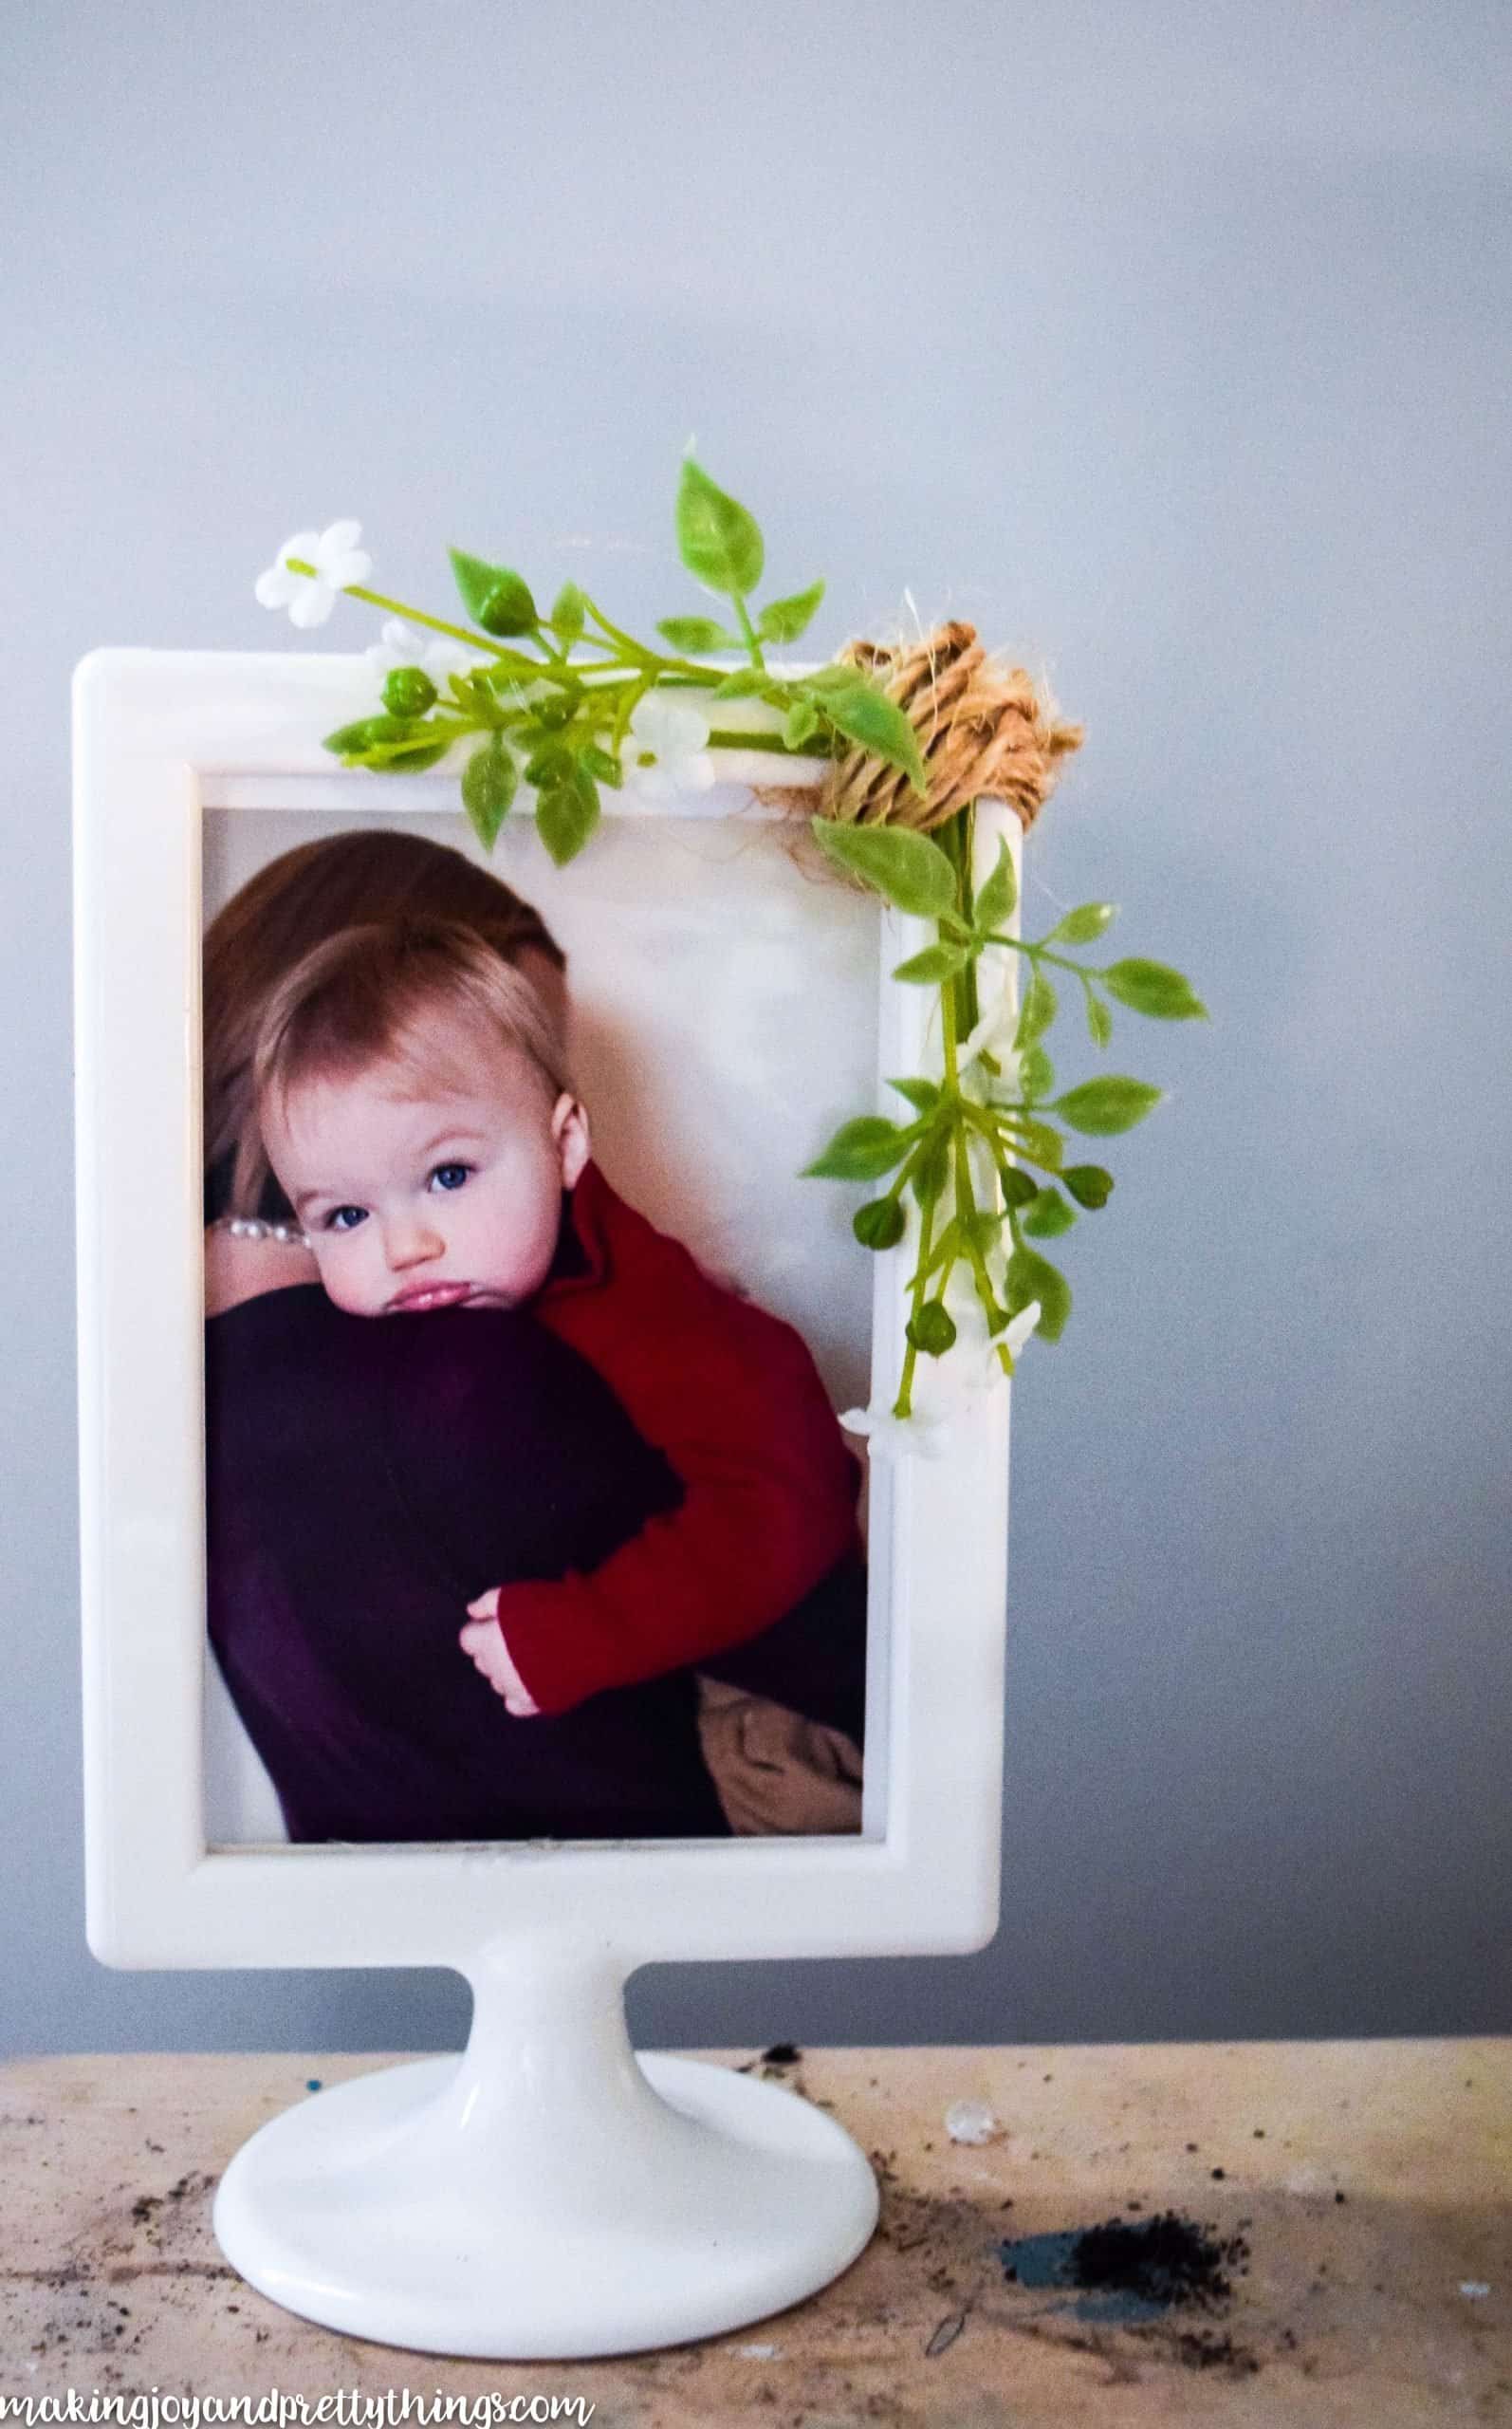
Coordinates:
775	1771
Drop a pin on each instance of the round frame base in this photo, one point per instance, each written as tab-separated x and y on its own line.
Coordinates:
693	2202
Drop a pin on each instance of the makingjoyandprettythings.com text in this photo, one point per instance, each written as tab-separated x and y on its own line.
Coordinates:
348	2409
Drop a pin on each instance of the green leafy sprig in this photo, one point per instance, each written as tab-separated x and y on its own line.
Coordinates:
984	1160
555	703
1005	1104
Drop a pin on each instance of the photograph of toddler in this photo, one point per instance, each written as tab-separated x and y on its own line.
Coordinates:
519	1523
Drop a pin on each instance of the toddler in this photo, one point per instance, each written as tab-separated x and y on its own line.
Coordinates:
411	1090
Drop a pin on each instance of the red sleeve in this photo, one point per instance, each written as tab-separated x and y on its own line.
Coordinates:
733	1399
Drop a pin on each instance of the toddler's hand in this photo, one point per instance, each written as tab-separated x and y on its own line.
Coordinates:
483	1643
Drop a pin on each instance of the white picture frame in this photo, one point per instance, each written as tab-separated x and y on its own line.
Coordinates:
161	739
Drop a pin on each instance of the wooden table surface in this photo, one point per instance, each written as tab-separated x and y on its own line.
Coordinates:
1388	2307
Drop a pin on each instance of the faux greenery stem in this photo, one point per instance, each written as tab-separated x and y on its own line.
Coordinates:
958	836
958	1004
902	1406
958	1000
989	1119
728	738
561	723
748	635
560	670
433	624
952	1083
1043	953
624	641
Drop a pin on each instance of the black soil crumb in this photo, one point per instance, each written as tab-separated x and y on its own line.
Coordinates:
782	2053
146	2206
1166	2259
1204	2349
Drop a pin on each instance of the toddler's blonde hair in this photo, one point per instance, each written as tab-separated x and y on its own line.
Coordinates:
375	993
295	902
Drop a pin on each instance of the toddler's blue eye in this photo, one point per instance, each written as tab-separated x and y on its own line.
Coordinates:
334	1220
450	1176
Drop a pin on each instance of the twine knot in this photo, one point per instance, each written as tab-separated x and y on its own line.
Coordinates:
985	730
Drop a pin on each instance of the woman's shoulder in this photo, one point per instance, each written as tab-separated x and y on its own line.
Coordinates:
238	1267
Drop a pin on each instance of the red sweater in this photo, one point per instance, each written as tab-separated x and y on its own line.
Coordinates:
732	1399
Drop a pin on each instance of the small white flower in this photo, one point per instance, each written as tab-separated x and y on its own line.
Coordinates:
399	644
898	1437
971	1366
337	561
665	751
1020	1329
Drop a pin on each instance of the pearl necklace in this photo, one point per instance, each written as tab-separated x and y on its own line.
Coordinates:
252	1227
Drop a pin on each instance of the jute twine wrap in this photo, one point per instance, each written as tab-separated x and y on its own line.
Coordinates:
985	731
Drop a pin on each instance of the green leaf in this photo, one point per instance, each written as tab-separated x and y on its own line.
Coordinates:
880	1224
414	763
800	724
932	1169
1018	1189
494	597
861	1150
568	614
601	764
550	762
998	893
833	678
923	1095
372	733
1036	1073
907	869
865	714
488	783
741	685
932	1330
1033	1277
782	620
718	541
1152	988
1036	1012
934	966
566	814
696	632
1088	1183
1083	925
1047	1214
1100	1109
1099	1020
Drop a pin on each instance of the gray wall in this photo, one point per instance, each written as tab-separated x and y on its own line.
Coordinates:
1168	342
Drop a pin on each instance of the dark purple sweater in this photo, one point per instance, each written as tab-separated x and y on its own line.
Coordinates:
364	1481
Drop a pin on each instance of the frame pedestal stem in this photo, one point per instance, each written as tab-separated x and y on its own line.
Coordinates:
548	2194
